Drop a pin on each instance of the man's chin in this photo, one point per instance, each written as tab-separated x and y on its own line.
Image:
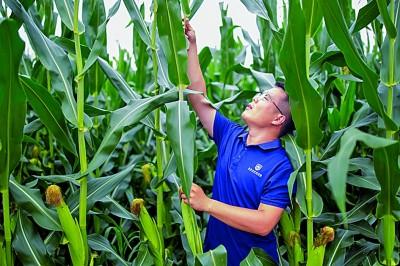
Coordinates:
244	115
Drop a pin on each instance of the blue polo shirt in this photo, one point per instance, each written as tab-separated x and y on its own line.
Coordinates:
245	176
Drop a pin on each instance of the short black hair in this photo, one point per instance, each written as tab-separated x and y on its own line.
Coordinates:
288	126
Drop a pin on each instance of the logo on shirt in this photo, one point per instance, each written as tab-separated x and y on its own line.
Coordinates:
258	167
255	170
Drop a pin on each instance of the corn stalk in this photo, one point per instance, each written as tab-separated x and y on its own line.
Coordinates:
81	129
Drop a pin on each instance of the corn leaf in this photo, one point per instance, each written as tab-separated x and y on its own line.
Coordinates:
389	79
126	92
93	15
306	104
12	101
257	7
185	7
387	171
213	257
100	243
365	16
257	257
127	116
194	6
28	244
53	58
339	33
387	21
312	15
336	251
180	132
98	188
66	11
100	41
173	41
143	257
138	21
338	166
31	201
49	112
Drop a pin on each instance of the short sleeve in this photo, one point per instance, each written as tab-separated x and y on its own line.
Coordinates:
222	128
275	192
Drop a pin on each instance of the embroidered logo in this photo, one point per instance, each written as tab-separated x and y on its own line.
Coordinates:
258	167
255	170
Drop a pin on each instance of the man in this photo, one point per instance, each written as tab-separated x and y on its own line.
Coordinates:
250	188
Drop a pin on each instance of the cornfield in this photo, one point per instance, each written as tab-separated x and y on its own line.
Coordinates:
94	150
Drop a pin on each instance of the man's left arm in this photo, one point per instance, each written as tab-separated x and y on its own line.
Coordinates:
261	221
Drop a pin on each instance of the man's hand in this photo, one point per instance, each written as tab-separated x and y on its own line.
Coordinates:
189	32
198	199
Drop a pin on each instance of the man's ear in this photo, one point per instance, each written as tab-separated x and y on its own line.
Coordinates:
279	120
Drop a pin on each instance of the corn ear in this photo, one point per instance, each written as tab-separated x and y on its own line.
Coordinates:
149	228
191	229
316	256
68	224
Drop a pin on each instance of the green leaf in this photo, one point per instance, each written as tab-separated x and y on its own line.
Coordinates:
180	132
215	257
387	172
66	11
53	58
339	164
306	104
69	46
336	251
28	244
194	7
257	257
205	58
138	21
173	41
370	182
127	116
93	15
359	254
143	257
98	188
100	243
31	201
117	209
95	111
185	7
387	21
126	92
100	42
365	16
49	112
390	79
339	33
12	101
312	15
257	7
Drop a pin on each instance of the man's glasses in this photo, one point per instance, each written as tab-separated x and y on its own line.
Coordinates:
266	97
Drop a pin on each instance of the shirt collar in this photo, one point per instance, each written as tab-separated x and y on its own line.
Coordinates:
269	145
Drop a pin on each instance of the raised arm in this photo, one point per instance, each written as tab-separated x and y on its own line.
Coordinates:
204	110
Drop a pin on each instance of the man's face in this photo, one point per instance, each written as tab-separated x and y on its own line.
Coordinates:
263	109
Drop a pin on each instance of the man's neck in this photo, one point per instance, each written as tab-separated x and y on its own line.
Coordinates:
260	135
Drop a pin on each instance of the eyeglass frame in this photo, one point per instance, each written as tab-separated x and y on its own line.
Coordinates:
268	98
